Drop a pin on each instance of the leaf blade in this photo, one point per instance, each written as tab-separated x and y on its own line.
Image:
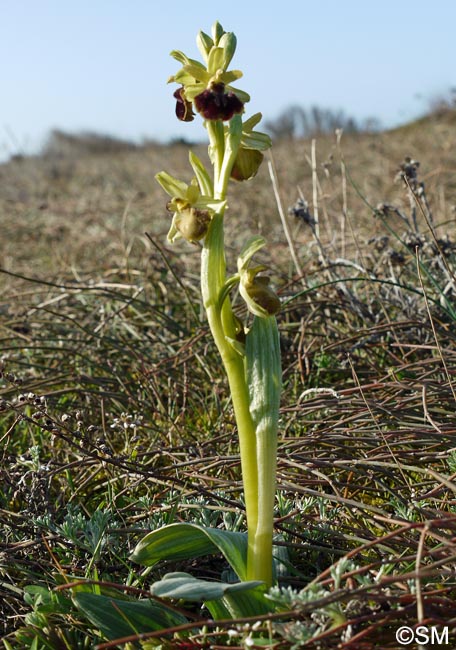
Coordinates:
182	541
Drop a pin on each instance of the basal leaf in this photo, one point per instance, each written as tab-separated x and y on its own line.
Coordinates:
251	602
117	618
183	585
184	541
223	599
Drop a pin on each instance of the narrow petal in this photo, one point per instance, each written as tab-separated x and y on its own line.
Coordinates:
183	107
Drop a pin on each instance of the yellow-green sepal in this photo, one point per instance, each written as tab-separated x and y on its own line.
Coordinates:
252	246
204	43
204	180
172	185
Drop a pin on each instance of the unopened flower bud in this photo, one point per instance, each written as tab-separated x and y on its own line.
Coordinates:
228	43
260	298
217	32
239	329
263	296
204	43
246	164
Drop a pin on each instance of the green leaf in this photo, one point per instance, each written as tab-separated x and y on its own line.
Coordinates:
44	601
245	603
116	617
185	586
183	541
217	32
223	599
264	379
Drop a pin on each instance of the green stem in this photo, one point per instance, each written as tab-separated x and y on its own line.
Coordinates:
257	434
216	147
223	153
212	281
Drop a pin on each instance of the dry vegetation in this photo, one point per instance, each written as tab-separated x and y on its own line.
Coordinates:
114	417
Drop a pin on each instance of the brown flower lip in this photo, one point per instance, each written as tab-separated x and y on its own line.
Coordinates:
216	104
183	106
193	224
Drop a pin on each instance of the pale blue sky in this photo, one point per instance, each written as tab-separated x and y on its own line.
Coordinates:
103	64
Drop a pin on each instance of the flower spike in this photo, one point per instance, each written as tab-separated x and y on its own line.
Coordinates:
249	351
208	86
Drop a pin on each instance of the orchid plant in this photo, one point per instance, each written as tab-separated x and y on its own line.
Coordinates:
250	351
